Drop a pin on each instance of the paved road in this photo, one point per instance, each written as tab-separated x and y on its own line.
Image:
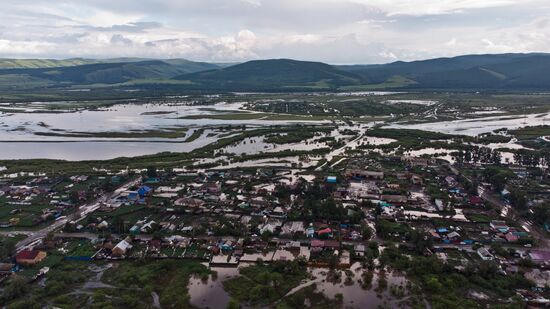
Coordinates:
36	236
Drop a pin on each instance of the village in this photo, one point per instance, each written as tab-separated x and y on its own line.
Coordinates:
331	218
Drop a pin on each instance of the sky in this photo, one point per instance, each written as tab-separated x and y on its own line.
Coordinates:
332	31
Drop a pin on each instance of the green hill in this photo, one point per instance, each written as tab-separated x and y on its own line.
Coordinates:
525	72
275	74
73	72
475	72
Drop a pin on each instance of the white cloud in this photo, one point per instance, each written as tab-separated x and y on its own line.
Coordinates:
451	42
337	31
433	7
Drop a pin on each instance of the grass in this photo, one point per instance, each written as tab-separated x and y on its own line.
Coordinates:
262	116
196	134
133	284
479	218
81	248
531	133
137	279
167	133
392	82
262	284
316	299
25	216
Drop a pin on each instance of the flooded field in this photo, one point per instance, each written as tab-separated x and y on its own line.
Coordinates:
120	130
210	293
478	126
128	130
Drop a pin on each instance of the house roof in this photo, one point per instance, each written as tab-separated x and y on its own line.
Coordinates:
317	243
511	237
27	255
539	255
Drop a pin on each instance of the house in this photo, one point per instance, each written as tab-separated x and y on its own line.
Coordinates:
354	235
310	232
212	188
499	226
451	181
6	268
359	250
394	199
362	174
270	226
540	256
144	191
148	227
484	254
325	233
475	200
30	257
278	212
332	244
121	248
293	227
317	244
345	259
453	235
135	230
416	180
189	202
511	237
103	225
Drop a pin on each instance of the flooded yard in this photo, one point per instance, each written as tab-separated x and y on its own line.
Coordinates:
211	294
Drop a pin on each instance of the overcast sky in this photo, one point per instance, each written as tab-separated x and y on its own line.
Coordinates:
333	31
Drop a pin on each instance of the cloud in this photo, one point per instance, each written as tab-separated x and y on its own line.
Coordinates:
432	7
335	31
451	42
119	39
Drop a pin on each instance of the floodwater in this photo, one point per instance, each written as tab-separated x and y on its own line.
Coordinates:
20	132
354	296
211	294
478	126
78	151
445	154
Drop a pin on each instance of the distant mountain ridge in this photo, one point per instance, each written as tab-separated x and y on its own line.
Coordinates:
492	71
274	73
469	72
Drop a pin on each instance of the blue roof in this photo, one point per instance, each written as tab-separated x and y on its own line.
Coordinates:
331	179
144	190
442	230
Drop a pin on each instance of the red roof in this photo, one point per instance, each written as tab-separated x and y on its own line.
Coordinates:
511	237
332	244
325	231
27	255
475	200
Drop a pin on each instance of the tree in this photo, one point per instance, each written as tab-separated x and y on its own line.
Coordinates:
518	199
151	172
233	304
433	285
7	248
541	214
15	288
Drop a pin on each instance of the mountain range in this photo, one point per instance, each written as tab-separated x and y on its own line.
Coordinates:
469	72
